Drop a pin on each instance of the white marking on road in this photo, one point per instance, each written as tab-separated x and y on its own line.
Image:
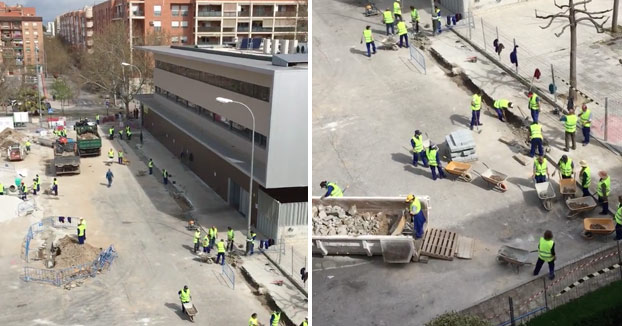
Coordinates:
144	321
337	267
44	322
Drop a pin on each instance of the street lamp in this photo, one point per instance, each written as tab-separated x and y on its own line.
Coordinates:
250	183
129	90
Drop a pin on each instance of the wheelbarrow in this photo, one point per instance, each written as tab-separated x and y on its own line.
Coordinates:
389	43
580	205
567	187
191	310
546	193
494	178
459	169
597	226
516	257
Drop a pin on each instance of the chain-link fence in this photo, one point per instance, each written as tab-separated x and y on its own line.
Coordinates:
575	279
290	259
603	99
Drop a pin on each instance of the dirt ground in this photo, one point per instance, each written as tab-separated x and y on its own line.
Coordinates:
72	253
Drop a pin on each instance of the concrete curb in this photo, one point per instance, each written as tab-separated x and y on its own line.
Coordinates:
269	300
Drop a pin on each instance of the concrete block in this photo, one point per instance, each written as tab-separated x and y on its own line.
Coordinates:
462	137
470	158
461	145
522	159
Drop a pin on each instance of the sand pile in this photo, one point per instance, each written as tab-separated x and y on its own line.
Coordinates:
9	137
72	253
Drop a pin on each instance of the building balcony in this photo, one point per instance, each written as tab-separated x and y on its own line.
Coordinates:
208	29
243	29
230	14
89	24
138	14
262	29
286	14
5	26
88	13
262	13
284	29
244	14
209	14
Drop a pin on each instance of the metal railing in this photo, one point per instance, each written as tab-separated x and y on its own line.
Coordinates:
261	29
209	13
208	29
261	13
286	14
417	57
229	274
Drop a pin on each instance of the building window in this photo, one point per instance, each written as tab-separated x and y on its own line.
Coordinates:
184	10
241	87
184	24
157	10
174	24
174	39
36	33
27	32
157	26
174	10
184	39
34	24
26	24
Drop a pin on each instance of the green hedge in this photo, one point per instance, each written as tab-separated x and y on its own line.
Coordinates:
602	307
455	319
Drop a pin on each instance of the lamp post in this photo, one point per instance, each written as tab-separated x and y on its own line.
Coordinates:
250	183
129	90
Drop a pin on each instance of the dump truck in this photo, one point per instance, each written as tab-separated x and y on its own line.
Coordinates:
88	139
16	152
66	157
366	226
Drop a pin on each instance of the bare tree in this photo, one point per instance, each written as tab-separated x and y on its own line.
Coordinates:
102	68
58	59
570	13
8	84
614	20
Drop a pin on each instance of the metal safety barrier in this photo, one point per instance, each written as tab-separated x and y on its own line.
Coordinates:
229	273
417	57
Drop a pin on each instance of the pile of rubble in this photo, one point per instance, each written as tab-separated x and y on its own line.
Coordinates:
72	253
334	220
10	137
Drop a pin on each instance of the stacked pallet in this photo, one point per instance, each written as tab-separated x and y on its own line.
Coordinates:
461	146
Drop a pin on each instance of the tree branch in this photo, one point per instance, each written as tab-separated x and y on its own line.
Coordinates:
593	13
562	31
552	18
599	27
584	3
560	6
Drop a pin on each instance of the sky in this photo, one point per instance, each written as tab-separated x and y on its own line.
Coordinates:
49	9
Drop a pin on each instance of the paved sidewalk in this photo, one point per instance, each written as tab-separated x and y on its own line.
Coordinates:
497	84
211	210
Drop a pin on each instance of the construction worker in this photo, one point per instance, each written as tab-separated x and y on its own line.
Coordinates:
195	240
416	215
24	191
1	189
109	177
121	133
221	252
230	236
36	183
546	253
27	144
213	233
55	187
501	105
476	106
402	30
111	133
397	10
184	296
111	154
305	322
414	16
34	187
618	219
81	233
253	320
437	20
205	244
332	189
540	169
128	132
418	150
534	106
369	40
566	167
164	176
388	21
586	122
435	162
120	156
82	221
150	165
275	318
97	119
586	178
250	243
603	191
535	137
570	125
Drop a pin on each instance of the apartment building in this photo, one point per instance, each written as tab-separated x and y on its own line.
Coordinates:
76	28
184	115
51	28
21	37
196	22
221	22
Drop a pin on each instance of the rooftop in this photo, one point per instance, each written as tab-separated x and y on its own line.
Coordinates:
228	57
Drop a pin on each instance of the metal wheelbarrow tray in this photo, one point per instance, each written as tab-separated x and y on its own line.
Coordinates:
597	226
460	169
496	179
580	205
546	193
516	257
568	187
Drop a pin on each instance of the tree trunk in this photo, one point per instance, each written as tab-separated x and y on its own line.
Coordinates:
127	109
573	52
614	19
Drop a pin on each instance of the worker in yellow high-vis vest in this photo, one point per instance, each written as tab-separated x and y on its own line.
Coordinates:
585	177
387	17
369	40
332	189
418	149
546	253
535	138
397	10
586	122
534	106
221	251
402	31
414	16
603	191
540	169
476	106
570	126
618	219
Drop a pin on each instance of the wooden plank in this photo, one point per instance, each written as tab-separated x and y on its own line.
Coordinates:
465	247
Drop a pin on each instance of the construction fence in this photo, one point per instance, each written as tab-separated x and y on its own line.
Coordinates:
575	279
289	259
605	102
33	230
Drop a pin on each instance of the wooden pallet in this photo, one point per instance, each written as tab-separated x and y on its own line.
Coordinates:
439	244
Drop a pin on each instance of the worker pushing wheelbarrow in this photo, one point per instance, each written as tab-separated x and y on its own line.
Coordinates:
516	257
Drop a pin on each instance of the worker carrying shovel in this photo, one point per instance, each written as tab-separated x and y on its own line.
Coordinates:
414	209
